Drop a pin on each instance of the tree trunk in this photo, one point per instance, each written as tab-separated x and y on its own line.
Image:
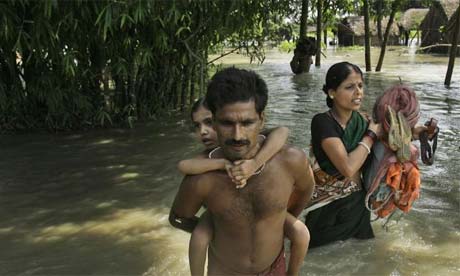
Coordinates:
325	36
192	84
185	86
129	89
379	20
453	50
394	8
318	32
406	37
367	42
303	19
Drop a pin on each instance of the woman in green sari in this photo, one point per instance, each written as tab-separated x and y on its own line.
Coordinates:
341	141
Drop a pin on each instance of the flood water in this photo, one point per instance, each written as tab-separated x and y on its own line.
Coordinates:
97	203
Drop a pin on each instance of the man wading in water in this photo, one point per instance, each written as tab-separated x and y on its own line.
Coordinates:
248	222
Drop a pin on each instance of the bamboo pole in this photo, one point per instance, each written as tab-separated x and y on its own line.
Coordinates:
394	8
367	43
318	33
435	45
225	54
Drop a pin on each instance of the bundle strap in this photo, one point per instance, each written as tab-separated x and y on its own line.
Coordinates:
427	150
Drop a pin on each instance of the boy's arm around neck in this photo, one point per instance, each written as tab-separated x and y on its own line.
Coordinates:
276	139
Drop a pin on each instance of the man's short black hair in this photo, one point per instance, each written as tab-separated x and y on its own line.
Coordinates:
233	85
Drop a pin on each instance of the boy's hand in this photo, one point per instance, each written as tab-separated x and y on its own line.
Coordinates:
241	171
239	184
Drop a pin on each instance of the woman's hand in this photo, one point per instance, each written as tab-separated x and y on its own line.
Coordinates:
417	130
376	128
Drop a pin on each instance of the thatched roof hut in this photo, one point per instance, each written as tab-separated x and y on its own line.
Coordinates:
350	31
449	29
412	18
435	24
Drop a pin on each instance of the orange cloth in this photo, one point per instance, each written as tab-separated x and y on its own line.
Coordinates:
404	181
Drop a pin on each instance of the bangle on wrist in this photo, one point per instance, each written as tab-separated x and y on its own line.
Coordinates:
371	134
365	146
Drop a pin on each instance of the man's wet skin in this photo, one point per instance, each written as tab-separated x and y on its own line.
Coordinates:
255	215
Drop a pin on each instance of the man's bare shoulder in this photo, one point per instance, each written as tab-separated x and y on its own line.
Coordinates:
203	177
202	155
293	156
199	183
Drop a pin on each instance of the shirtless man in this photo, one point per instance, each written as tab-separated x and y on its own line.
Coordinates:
248	222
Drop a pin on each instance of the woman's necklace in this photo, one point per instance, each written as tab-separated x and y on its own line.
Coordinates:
343	126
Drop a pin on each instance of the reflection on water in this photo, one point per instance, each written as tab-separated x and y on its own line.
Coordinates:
97	203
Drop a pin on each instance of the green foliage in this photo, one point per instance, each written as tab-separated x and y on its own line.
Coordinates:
79	64
286	46
352	48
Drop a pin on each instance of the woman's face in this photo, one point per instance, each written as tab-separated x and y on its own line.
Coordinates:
349	94
202	125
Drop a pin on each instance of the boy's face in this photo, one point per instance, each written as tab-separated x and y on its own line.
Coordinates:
202	125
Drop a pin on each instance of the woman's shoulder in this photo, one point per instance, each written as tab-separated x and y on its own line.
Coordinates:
321	117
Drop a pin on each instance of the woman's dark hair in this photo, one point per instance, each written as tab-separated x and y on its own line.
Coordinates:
196	105
233	85
336	74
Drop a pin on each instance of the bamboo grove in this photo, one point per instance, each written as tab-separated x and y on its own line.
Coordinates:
81	64
78	64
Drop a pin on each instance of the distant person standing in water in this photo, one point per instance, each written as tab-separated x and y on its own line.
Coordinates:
248	222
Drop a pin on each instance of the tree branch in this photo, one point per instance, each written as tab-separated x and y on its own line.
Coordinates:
225	54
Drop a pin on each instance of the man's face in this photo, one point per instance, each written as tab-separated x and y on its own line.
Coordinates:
237	126
202	125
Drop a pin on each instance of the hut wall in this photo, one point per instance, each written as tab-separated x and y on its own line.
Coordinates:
345	39
359	40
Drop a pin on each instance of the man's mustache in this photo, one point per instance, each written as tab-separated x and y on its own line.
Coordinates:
233	142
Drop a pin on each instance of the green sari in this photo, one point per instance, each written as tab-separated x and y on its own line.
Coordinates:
352	135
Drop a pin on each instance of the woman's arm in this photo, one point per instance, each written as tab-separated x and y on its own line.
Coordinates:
201	164
243	169
348	163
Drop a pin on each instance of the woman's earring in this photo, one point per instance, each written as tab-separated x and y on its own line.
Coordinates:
330	96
